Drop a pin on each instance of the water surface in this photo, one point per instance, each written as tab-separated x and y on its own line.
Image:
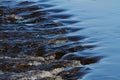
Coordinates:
86	28
100	18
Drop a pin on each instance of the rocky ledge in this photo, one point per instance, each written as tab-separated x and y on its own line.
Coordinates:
28	67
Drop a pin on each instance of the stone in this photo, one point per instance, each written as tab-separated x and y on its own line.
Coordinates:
13	16
56	71
57	41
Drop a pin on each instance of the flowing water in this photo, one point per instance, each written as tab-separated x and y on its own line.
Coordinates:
85	30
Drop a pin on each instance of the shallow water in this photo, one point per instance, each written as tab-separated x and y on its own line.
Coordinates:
100	18
89	29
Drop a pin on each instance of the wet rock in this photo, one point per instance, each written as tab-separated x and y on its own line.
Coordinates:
57	41
52	78
50	65
33	45
73	73
85	59
56	71
20	64
13	16
32	75
36	58
43	74
50	56
35	75
40	51
21	67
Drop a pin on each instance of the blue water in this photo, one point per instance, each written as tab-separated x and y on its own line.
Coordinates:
100	18
99	21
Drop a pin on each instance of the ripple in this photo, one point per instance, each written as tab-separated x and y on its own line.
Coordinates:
61	16
30	29
25	3
56	10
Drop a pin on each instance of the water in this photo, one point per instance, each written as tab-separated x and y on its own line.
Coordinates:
88	28
100	18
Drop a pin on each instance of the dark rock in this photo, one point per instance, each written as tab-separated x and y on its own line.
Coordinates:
73	73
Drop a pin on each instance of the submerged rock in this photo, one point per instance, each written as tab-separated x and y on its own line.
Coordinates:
32	68
57	41
13	16
73	73
34	44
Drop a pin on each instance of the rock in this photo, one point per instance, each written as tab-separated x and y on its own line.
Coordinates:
52	78
36	58
57	41
53	64
73	73
56	71
43	74
82	57
34	47
50	56
13	16
31	75
35	63
40	51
